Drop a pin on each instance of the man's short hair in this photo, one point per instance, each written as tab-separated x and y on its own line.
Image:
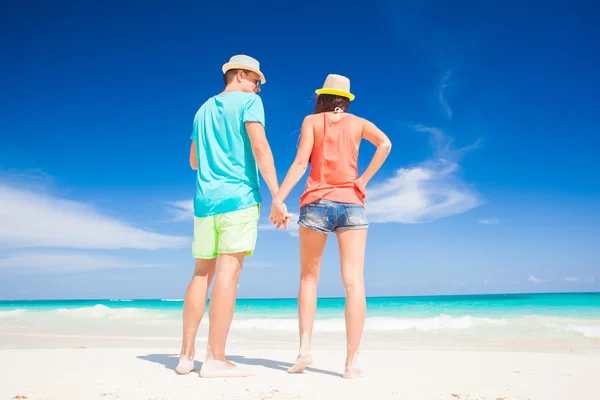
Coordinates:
229	75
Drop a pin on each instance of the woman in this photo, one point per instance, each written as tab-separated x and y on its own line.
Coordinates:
333	201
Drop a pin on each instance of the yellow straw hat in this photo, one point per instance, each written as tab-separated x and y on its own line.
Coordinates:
336	85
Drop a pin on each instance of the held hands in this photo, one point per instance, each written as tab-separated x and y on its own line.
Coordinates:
279	215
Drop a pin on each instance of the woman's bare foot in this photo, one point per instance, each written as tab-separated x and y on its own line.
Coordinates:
352	370
304	358
221	369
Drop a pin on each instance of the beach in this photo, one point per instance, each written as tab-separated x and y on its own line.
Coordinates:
128	350
397	374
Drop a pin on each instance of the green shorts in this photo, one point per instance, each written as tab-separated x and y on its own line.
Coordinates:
231	232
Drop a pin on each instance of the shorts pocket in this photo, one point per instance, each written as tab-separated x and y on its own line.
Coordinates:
356	215
316	211
314	215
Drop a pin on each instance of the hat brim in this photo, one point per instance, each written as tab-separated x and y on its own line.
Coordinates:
228	66
335	92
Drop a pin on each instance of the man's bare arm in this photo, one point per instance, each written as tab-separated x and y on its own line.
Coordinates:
263	155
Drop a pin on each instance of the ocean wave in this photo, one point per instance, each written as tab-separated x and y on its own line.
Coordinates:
171	299
286	322
12	313
590	331
376	324
100	310
441	322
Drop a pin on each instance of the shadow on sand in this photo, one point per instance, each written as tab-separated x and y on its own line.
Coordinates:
169	361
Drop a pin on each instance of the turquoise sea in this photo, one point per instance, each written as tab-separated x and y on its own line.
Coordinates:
561	313
567	305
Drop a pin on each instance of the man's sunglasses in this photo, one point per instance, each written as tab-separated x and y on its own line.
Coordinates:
256	81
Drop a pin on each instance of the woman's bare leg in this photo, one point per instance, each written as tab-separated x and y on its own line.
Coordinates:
351	245
312	245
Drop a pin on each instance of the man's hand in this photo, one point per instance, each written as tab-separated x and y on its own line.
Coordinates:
279	215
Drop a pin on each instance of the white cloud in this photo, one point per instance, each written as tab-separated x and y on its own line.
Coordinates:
34	218
442	94
486	282
589	279
533	279
431	190
182	210
490	221
571	279
67	262
427	192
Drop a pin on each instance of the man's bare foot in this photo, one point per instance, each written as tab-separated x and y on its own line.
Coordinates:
221	369
304	357
185	366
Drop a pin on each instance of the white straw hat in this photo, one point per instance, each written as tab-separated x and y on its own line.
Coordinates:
337	85
242	61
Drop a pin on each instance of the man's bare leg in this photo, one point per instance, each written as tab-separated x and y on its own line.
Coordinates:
194	306
222	305
312	245
351	244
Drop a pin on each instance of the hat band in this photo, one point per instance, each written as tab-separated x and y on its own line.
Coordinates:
335	92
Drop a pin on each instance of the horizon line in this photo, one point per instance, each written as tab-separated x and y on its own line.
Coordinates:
295	298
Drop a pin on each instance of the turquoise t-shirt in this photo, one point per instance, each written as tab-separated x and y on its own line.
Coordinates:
227	177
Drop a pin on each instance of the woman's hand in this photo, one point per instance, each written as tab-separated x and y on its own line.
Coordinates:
362	186
279	215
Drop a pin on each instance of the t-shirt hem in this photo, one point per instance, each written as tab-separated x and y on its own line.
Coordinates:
226	210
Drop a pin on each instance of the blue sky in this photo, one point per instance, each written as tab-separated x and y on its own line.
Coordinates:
491	185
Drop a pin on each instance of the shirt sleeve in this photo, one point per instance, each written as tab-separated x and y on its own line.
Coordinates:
194	135
254	111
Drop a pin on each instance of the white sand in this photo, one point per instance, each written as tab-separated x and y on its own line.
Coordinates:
128	356
132	373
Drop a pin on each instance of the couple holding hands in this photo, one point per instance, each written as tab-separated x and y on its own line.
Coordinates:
229	148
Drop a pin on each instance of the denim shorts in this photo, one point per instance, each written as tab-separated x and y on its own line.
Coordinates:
330	216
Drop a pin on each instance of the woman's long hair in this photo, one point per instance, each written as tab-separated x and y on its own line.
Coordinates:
329	102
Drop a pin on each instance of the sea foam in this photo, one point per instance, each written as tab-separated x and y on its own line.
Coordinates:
12	313
590	331
134	316
375	324
100	310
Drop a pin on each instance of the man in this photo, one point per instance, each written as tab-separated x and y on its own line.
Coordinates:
229	147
